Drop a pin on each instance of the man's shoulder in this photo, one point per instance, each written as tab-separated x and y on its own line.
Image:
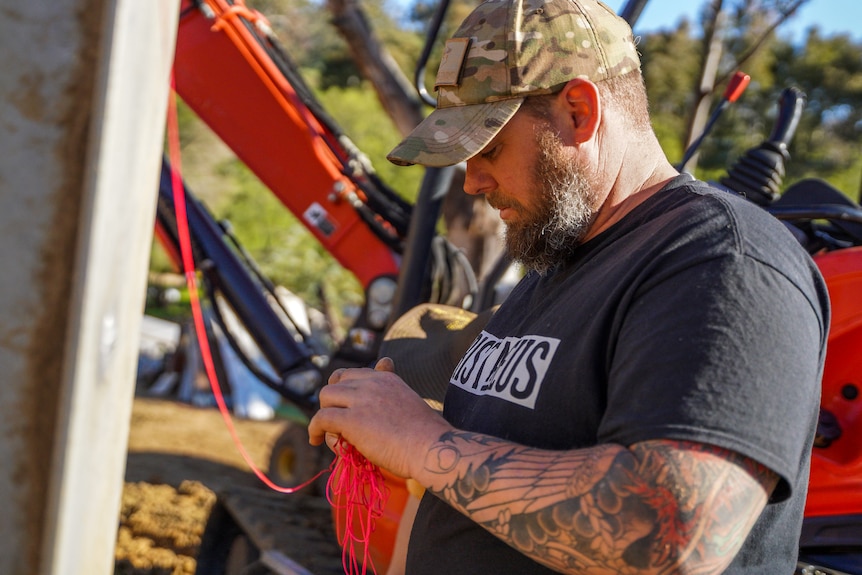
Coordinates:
687	193
703	209
717	223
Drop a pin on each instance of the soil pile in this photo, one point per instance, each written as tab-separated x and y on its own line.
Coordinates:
179	456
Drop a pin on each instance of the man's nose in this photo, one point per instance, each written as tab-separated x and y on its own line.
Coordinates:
476	179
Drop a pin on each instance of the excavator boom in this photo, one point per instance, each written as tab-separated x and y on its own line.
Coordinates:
225	74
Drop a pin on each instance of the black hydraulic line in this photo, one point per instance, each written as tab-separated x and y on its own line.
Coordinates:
380	199
422	64
290	359
631	12
259	373
265	283
413	274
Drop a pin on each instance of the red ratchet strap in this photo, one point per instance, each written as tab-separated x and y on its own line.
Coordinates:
355	487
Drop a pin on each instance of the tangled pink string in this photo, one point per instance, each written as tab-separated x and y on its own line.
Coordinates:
357	492
356	487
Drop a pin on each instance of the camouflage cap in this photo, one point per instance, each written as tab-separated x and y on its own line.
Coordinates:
504	51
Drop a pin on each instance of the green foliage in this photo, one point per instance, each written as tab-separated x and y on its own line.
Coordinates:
305	30
670	61
827	70
403	44
358	112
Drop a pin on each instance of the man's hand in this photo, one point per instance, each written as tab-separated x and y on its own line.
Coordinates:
375	411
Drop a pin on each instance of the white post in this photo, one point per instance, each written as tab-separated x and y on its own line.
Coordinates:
83	94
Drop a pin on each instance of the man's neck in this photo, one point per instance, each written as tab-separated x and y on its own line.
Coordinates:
629	190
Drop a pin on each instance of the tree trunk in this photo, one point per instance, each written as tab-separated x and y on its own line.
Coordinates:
394	90
712	43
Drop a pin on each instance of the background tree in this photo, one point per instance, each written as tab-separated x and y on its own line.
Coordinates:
826	144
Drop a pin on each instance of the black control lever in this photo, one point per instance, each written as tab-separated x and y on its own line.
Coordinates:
758	174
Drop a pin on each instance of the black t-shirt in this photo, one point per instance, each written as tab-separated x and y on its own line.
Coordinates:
697	317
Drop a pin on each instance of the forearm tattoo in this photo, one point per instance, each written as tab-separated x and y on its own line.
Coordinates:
647	509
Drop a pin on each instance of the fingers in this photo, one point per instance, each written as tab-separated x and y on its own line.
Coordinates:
345	374
324	426
356	404
335	400
337	375
331	440
385	364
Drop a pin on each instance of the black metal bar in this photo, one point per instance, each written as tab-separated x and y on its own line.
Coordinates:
632	11
832	213
413	274
290	359
430	38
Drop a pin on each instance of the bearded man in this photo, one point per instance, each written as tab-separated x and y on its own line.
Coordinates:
645	399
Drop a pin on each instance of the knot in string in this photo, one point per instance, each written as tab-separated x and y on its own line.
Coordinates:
358	493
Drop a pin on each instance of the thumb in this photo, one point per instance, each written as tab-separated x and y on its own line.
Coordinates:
385	364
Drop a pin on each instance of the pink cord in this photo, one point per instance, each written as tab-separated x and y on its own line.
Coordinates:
354	483
358	493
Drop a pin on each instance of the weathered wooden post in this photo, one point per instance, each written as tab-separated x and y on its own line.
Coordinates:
83	94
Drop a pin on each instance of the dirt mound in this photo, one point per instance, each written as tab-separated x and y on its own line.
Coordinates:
179	456
161	527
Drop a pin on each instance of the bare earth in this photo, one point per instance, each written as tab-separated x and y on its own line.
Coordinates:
179	456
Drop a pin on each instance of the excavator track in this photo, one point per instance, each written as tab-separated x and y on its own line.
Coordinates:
254	531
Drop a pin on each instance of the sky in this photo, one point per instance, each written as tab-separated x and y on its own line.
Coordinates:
831	16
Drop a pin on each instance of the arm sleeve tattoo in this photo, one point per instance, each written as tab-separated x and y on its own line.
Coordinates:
608	509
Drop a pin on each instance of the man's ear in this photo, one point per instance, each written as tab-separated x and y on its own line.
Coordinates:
581	98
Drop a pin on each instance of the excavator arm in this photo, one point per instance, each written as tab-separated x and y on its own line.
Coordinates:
233	74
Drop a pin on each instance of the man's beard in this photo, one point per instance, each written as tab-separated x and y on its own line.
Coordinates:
565	209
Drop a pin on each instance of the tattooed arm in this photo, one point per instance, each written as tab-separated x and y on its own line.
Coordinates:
657	507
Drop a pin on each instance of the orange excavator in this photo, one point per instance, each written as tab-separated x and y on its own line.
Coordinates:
231	71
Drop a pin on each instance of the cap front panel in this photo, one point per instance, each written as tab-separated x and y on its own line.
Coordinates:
485	77
452	135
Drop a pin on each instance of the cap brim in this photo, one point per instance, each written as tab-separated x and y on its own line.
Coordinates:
454	134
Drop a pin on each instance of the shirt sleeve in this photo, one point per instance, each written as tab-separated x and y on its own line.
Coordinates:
725	351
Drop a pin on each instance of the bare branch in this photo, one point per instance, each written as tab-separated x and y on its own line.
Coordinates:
395	92
783	16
